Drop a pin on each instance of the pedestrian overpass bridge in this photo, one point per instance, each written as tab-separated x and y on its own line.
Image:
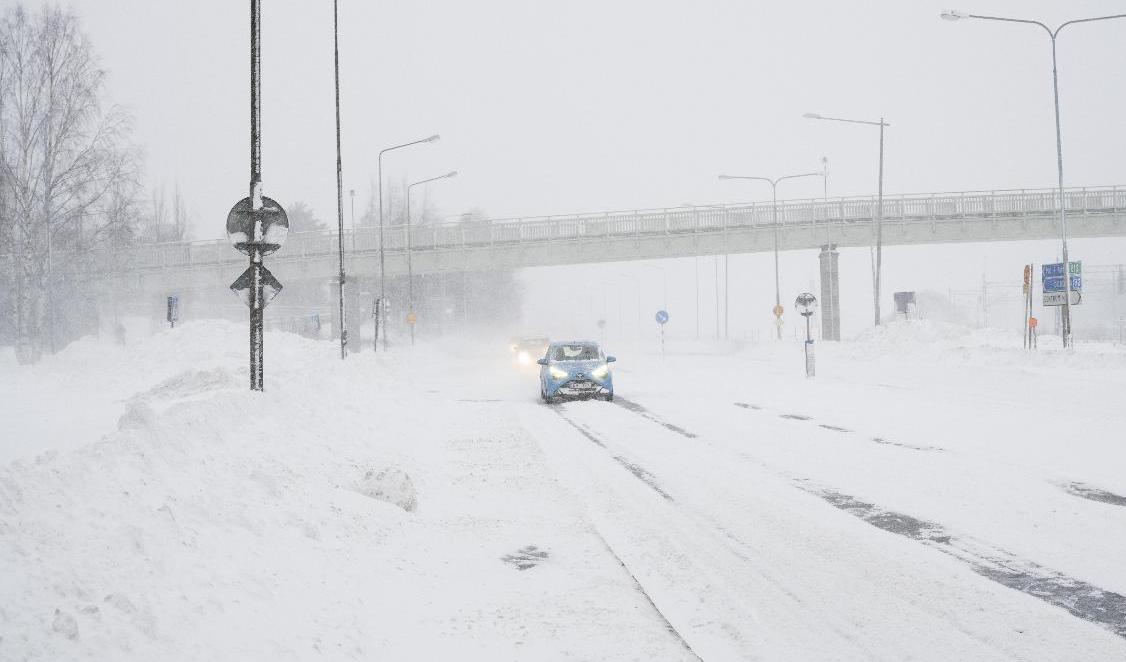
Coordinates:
977	216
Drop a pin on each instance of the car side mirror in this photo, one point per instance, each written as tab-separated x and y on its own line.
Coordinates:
611	359
541	361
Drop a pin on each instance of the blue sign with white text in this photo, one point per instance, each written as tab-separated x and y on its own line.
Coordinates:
662	316
1056	284
1056	270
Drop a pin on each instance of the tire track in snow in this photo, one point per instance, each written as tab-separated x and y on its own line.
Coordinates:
637	470
1092	493
1086	601
648	598
837	428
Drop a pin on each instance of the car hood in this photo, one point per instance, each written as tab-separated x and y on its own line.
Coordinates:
585	367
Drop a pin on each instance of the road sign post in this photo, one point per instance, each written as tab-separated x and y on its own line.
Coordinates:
806	303
662	318
256	225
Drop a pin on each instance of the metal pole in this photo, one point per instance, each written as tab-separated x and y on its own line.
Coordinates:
777	287
256	335
410	268
829	305
1065	326
382	272
879	225
352	197
339	182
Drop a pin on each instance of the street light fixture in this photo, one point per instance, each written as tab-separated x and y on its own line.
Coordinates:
877	270
382	273
954	15
774	193
410	268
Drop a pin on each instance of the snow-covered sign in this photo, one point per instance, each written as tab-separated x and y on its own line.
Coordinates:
805	304
244	283
241	232
662	316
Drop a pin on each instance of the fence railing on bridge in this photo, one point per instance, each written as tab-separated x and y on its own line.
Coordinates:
897	209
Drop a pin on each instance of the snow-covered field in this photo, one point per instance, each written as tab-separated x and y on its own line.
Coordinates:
935	493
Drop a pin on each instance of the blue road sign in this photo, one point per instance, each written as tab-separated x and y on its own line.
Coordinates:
1055	283
1056	270
662	317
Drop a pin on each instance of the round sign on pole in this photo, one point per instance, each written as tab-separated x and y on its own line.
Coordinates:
601	324
411	318
805	303
778	310
240	226
662	316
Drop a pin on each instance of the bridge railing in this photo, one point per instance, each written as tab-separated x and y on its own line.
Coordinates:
967	207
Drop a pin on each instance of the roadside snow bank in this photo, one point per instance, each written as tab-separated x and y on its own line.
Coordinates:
944	342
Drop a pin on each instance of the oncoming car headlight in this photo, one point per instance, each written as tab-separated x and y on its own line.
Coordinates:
556	373
524	358
601	372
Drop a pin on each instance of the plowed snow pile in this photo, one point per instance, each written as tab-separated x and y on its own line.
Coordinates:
333	516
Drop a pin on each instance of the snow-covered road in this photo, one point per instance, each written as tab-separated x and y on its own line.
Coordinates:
931	495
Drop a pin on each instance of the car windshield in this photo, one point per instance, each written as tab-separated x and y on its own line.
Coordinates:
575	353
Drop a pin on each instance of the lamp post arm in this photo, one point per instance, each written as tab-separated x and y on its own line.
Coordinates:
841	119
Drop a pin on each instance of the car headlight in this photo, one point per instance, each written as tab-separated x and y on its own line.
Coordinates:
524	357
601	372
556	373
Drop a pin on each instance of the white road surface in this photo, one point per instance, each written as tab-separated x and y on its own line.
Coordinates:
933	494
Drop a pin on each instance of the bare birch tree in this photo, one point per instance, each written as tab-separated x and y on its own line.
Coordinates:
61	155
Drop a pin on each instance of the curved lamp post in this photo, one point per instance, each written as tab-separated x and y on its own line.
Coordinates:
954	15
382	273
877	270
410	268
774	194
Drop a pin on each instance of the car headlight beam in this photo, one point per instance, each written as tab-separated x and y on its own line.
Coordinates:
601	372
556	373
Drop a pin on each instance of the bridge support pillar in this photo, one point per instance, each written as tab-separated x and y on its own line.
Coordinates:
830	293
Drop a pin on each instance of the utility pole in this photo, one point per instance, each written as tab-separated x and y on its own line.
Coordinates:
339	180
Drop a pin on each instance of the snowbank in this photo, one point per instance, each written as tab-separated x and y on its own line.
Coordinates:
348	512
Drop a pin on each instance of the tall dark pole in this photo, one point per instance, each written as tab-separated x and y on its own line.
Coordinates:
339	181
257	340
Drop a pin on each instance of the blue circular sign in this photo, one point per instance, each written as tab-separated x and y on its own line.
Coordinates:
662	316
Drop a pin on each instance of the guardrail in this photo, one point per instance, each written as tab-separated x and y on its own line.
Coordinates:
970	206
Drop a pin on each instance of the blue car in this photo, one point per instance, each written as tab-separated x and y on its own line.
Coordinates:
575	369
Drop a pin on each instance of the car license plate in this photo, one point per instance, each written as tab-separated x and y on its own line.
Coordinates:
581	385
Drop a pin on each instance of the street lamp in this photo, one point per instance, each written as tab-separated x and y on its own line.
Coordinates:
410	268
879	205
954	15
774	193
382	273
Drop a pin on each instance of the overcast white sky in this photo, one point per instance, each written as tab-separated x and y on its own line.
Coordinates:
551	107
